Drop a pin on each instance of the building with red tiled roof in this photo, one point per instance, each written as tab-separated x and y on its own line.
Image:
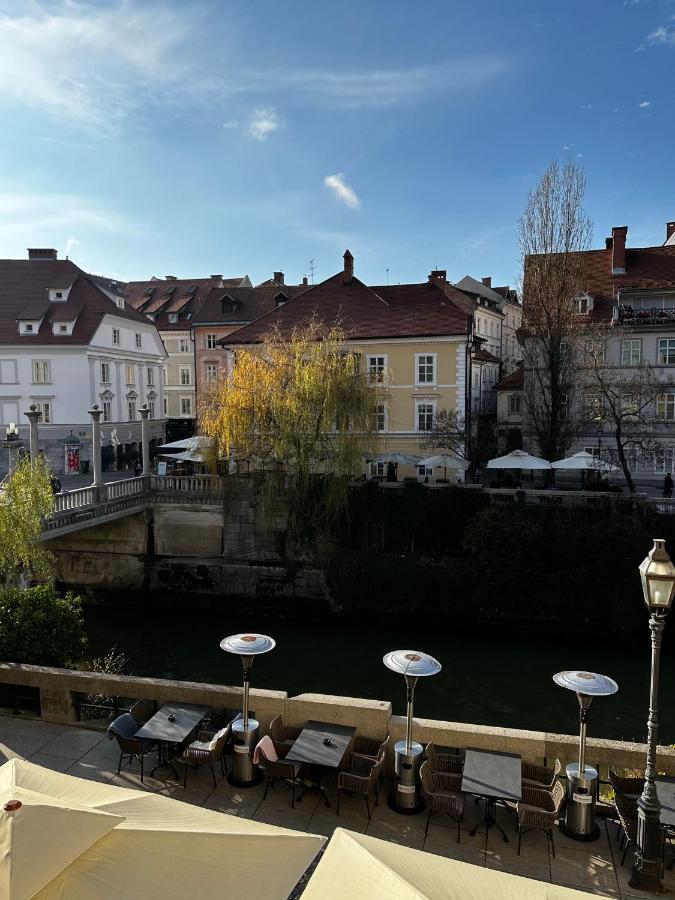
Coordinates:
412	337
65	344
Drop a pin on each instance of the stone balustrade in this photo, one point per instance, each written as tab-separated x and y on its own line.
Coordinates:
61	689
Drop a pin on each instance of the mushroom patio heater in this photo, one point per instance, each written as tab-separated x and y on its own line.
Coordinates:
244	729
412	664
582	780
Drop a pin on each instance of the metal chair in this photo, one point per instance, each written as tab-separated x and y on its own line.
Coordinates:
540	777
539	808
442	793
207	750
281	770
361	777
123	729
143	711
283	736
442	761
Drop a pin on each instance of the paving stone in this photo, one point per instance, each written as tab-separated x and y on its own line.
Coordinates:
73	743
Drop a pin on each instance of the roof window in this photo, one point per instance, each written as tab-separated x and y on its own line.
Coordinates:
173	318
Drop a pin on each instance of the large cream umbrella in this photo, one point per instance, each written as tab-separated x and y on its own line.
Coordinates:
360	867
584	462
518	459
66	838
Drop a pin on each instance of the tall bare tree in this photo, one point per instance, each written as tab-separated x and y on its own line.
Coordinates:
553	232
626	403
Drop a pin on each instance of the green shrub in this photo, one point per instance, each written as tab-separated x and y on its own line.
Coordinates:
40	627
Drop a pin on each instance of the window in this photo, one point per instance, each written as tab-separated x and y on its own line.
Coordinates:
63	329
116	336
185	376
630	407
163	374
377	470
380	423
186	406
131	410
165	405
45	407
58	295
173	318
7	371
41	373
514	404
131	377
425	416
424	471
184	345
663	458
425	364
139	340
593	407
151	377
631	352
665	407
151	408
107	411
377	367
105	373
596	351
211	341
211	372
667	351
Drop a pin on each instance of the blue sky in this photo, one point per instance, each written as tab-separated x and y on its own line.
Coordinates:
191	138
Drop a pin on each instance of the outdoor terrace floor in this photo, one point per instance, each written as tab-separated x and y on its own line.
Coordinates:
593	867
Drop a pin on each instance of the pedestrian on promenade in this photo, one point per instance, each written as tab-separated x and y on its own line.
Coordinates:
668	486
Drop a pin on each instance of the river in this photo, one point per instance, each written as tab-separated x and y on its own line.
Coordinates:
487	679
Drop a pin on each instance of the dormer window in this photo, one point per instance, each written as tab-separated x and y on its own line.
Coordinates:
120	303
173	318
58	295
280	299
27	326
229	304
584	304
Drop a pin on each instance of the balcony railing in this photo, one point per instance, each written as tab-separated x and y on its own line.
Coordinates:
626	315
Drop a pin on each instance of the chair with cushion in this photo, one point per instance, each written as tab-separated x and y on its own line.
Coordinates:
123	729
143	711
540	777
362	778
539	808
207	750
282	770
442	761
442	793
283	736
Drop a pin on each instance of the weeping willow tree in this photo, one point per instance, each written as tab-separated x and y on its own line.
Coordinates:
299	406
26	499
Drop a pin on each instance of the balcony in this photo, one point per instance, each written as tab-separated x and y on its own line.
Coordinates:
624	314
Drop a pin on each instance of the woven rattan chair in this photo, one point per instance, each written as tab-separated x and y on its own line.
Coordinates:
540	777
442	761
123	730
362	777
442	793
372	747
282	770
283	736
629	787
626	809
539	808
207	750
143	711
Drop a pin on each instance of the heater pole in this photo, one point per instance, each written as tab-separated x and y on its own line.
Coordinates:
410	696
583	722
246	663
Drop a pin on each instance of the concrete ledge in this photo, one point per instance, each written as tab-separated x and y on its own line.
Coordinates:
370	717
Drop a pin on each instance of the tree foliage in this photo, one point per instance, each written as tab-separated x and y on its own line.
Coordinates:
553	230
26	499
299	405
40	627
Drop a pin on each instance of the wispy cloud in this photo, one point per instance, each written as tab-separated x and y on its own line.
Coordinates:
644	104
71	243
344	192
263	122
661	37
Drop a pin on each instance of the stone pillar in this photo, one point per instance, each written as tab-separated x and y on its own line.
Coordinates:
33	416
145	439
95	414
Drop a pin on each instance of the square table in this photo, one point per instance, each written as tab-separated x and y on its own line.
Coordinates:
310	747
665	790
167	732
494	776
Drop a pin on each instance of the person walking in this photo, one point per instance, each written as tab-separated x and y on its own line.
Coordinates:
668	486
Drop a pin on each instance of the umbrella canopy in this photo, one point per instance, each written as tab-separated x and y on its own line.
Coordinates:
185	456
361	867
192	443
403	459
69	837
446	461
585	462
518	459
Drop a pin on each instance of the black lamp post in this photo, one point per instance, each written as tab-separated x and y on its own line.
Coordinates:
658	585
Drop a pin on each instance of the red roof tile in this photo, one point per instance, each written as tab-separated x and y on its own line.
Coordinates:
514	381
161	297
249	303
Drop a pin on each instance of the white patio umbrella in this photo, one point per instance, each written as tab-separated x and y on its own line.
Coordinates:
62	836
445	461
584	462
518	459
403	459
192	443
185	456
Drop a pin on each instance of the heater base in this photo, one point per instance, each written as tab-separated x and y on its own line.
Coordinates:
403	810
593	835
235	782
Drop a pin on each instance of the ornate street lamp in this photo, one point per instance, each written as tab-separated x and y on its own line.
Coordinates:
658	586
12	443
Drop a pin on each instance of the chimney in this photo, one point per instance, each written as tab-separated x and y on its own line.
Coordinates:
279	277
670	230
348	271
608	243
619	250
438	276
304	281
36	253
487	281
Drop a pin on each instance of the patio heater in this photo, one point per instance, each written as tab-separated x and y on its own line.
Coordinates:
412	664
244	729
582	780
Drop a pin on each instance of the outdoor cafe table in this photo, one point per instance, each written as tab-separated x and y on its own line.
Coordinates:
494	776
169	726
322	746
665	790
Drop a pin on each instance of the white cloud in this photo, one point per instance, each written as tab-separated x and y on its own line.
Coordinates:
344	192
263	122
660	37
71	243
645	104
